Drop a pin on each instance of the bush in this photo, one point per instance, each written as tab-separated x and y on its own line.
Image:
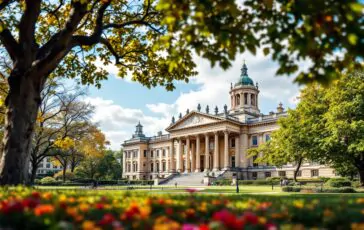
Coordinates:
335	190
291	189
338	182
59	175
49	181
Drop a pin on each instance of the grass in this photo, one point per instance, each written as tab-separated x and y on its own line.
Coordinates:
243	189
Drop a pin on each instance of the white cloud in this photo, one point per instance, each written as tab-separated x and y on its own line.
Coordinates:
118	123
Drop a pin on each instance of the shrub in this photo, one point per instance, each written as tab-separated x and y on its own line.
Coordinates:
291	189
338	182
335	190
49	181
59	175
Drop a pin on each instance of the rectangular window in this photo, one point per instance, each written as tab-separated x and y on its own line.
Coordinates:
48	166
151	153
254	175
282	173
233	143
164	152
254	140
268	174
145	153
299	173
267	137
314	172
157	153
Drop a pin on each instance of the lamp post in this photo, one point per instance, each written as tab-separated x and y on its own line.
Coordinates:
237	180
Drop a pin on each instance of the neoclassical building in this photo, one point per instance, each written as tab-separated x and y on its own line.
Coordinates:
212	140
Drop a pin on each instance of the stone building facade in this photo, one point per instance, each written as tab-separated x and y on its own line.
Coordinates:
213	141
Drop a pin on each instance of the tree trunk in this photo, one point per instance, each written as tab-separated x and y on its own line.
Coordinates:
22	105
64	173
299	163
361	176
33	173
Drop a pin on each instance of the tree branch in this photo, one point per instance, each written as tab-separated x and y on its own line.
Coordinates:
27	26
9	42
105	42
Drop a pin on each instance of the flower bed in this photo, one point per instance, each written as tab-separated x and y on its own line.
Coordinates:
26	209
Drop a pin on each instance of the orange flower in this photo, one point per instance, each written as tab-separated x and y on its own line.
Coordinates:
43	209
47	196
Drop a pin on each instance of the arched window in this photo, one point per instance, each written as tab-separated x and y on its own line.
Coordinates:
252	97
151	167
245	98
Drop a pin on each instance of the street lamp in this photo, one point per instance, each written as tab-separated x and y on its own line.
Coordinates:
237	180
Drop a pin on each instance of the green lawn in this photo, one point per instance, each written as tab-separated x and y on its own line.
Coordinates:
243	189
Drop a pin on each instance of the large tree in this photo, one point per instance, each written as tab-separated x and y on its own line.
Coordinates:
154	40
344	143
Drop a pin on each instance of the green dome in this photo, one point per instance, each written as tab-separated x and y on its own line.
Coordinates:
244	78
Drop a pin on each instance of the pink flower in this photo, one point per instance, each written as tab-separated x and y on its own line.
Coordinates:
189	227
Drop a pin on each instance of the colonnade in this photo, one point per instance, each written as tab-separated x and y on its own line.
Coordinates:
191	152
239	99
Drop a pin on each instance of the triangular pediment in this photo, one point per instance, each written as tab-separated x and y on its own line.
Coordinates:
194	119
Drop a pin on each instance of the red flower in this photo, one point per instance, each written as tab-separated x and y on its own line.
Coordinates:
107	219
228	219
169	211
11	207
250	218
35	195
131	212
203	227
30	203
99	206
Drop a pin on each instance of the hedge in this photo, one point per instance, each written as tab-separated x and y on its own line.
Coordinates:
339	182
319	189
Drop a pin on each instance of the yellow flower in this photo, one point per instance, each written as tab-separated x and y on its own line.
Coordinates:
84	207
298	204
163	223
262	220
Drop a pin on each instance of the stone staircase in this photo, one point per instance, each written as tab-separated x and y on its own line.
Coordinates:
187	179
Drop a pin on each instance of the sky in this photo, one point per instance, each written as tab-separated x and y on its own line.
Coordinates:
121	103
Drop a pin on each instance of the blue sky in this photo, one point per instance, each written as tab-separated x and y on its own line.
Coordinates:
121	103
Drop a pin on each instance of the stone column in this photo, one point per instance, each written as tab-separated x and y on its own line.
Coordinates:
244	150
206	152
233	101
193	157
226	150
249	99
139	160
124	163
179	156
216	152
198	161
242	99
171	157
160	159
188	154
237	152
